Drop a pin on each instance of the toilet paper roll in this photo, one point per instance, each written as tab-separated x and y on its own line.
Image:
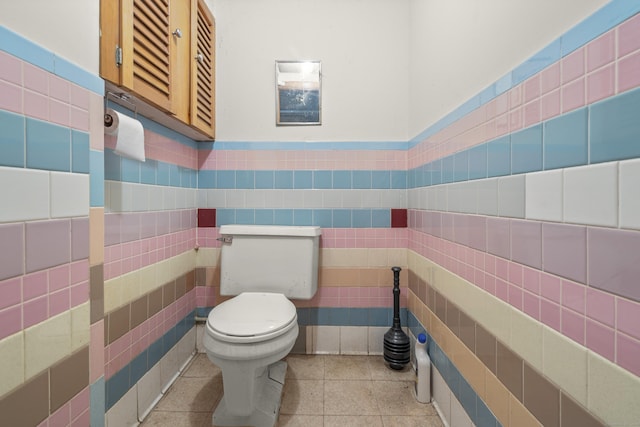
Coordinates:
129	135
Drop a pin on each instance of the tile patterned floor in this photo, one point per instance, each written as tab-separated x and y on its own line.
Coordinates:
323	391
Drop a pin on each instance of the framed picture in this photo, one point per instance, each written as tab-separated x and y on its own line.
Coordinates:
298	93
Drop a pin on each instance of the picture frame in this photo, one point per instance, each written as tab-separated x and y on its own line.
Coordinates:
298	93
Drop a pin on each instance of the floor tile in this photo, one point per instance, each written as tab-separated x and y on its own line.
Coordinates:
300	421
201	367
177	419
305	367
192	394
347	368
412	421
397	398
352	421
381	371
303	397
349	398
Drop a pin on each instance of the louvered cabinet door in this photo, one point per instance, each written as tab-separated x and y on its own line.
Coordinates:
203	69
146	50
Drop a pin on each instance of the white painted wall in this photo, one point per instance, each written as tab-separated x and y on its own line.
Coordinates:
459	47
363	48
69	28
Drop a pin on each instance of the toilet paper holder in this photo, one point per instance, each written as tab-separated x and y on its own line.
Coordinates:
123	97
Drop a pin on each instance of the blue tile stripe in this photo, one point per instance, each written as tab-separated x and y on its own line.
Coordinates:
28	51
303	179
127	377
339	316
327	218
601	132
606	18
151	171
26	142
473	405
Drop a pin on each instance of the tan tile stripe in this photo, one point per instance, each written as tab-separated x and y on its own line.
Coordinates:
516	393
122	320
44	394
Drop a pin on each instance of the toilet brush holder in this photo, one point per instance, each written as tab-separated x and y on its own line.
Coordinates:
397	345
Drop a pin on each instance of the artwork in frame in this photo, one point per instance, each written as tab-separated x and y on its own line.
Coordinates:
298	93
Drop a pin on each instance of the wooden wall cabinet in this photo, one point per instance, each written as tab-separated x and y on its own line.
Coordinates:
161	54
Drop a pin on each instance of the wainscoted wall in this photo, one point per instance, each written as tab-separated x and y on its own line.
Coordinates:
523	234
48	144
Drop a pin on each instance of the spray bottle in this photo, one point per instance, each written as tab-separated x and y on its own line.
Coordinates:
423	371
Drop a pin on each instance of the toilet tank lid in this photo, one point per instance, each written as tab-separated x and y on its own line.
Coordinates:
270	230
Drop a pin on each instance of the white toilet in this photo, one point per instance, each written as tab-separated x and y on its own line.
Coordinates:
247	335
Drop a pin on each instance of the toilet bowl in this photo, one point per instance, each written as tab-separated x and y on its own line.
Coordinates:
248	335
244	337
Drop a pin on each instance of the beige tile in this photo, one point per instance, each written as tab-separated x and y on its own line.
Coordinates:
12	366
349	398
352	421
54	335
347	368
96	236
412	421
300	421
177	419
472	369
192	394
380	370
397	398
303	397
613	392
519	416
79	326
571	377
497	397
526	338
201	367
305	367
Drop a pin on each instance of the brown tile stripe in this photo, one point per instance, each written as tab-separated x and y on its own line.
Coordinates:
96	293
123	319
542	398
41	396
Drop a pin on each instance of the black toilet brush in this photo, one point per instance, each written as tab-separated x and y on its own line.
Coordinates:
397	346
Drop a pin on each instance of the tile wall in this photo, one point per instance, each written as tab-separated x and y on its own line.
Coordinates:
527	198
50	236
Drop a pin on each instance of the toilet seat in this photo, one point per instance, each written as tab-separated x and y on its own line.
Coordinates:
252	317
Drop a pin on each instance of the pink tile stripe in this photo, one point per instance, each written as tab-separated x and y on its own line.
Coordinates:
604	323
581	78
36	297
303	160
161	148
123	258
123	350
74	413
333	237
34	92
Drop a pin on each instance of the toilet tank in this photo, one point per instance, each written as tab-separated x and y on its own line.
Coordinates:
269	258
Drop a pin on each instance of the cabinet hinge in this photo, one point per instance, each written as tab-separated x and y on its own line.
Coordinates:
118	56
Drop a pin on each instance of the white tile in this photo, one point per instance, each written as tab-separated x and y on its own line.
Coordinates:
24	194
187	346
255	199
543	195
441	395
124	413
199	335
511	196
69	194
168	198
630	194
155	198
459	416
376	339
441	198
140	200
354	340
591	195
114	201
313	199
326	340
149	390
169	368
487	193
372	198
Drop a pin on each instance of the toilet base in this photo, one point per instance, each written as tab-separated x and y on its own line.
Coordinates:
268	397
